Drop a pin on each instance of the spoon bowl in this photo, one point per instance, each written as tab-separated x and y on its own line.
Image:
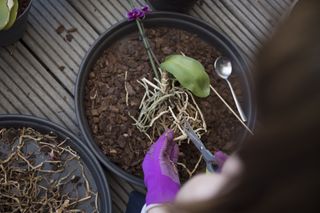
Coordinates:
223	68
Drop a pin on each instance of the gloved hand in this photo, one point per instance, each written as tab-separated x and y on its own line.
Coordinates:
160	175
221	157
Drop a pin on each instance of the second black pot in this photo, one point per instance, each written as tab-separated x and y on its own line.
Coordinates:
97	176
16	32
182	6
167	19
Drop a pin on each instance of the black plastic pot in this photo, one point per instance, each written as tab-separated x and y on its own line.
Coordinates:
13	34
88	158
168	19
181	6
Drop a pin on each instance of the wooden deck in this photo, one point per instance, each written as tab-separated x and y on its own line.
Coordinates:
38	73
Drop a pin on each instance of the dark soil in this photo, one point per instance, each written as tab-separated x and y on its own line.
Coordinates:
107	112
23	4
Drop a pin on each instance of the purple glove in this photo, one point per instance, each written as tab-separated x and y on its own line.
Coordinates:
220	159
160	176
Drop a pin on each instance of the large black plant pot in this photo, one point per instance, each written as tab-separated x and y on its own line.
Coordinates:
168	19
97	176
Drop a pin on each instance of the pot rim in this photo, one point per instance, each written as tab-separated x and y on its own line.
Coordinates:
25	11
88	158
84	71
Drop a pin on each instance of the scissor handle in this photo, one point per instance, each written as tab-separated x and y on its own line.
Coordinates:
207	155
210	160
211	167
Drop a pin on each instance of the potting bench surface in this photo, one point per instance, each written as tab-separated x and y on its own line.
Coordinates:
38	73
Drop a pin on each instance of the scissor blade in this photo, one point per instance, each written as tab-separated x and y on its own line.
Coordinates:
195	139
207	155
193	136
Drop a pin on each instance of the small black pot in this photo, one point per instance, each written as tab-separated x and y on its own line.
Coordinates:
167	19
181	6
13	34
88	158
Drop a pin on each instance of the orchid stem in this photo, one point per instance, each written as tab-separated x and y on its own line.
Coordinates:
148	48
150	53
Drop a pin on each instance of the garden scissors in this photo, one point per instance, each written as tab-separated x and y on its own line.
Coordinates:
208	157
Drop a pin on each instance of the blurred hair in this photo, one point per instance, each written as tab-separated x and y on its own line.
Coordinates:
282	161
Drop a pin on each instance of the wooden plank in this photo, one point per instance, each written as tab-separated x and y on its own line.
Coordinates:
49	57
115	8
15	89
248	19
44	77
76	20
8	98
34	92
56	44
272	13
268	13
44	19
109	19
118	201
275	6
7	105
52	19
282	4
229	26
91	15
3	110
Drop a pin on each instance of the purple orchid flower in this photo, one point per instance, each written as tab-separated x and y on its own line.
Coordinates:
137	13
145	9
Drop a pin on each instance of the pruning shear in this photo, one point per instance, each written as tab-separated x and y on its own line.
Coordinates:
208	157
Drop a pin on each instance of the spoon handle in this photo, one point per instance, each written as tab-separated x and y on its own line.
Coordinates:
242	115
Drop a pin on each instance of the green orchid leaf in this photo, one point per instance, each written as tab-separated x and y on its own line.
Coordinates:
13	7
189	72
4	14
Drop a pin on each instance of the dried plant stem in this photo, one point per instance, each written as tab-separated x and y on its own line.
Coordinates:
34	174
196	166
231	110
190	173
126	88
160	111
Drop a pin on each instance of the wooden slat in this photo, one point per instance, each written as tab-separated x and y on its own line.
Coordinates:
51	18
217	14
35	91
75	19
45	18
91	14
248	14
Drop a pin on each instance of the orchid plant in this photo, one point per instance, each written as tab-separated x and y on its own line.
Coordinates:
164	104
8	13
189	72
162	96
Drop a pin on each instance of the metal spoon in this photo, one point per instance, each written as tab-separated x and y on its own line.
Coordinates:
223	68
